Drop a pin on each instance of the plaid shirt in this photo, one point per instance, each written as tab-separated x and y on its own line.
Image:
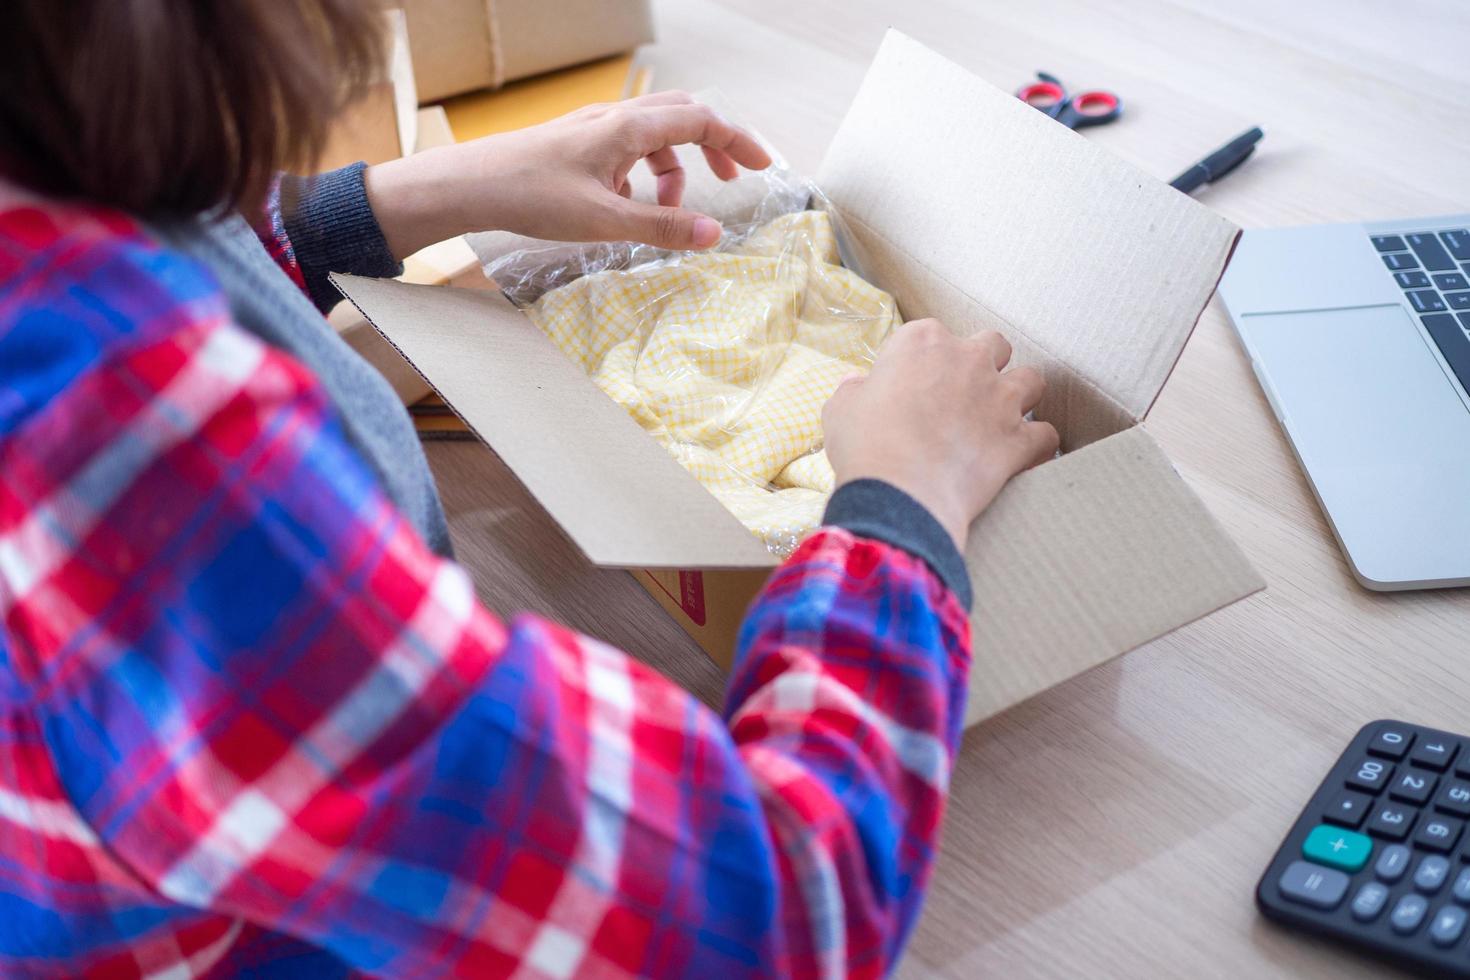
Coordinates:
250	725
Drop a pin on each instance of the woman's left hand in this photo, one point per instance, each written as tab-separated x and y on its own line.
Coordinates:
565	180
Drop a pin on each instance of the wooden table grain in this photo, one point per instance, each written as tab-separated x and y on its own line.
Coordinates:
1117	824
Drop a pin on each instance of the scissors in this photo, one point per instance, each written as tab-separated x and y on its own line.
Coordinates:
1073	111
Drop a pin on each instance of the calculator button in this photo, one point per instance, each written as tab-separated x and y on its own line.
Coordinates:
1460	891
1392	862
1392	741
1439	833
1370	775
1448	926
1434	753
1369	901
1413	786
1348	809
1312	884
1454	797
1431	873
1392	821
1408	913
1337	848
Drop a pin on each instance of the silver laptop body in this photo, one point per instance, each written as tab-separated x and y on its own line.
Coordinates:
1367	369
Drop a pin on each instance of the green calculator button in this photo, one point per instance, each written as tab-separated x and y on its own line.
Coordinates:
1337	848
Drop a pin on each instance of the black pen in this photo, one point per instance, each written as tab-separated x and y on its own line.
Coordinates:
1219	163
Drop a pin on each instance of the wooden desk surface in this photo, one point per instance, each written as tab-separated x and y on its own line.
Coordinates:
1116	825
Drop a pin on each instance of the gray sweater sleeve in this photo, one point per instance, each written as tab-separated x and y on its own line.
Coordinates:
881	511
332	229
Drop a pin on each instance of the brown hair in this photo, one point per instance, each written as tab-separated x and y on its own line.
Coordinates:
171	107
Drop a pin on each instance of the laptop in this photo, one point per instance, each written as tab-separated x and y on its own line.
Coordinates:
1360	338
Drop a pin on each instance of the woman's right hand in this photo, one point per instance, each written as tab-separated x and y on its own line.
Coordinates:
940	419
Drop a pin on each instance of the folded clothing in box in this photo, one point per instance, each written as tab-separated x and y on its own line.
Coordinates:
725	357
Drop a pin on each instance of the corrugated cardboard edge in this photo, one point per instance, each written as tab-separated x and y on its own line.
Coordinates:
1184	342
1066	580
618	495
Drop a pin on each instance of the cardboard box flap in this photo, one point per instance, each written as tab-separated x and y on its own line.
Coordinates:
1099	264
1085	558
616	493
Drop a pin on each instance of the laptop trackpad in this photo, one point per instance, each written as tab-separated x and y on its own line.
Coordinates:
1382	431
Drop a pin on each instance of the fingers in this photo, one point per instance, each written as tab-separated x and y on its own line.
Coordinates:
998	347
664	163
720	163
678	123
1040	441
836	402
661	226
1028	384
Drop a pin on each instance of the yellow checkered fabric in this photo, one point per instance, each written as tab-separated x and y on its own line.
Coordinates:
727	357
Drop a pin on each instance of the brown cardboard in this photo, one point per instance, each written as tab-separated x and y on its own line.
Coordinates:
710	605
1013	223
462	45
449	262
1086	557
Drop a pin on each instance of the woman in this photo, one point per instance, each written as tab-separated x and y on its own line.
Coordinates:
251	717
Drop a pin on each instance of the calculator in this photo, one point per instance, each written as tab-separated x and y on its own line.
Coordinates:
1380	858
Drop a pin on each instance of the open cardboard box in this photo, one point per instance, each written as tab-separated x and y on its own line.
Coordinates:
970	206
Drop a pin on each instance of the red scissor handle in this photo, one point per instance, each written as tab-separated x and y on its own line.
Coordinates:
1089	109
1095	103
1042	95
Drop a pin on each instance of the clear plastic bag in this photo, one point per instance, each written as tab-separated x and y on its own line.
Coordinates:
725	357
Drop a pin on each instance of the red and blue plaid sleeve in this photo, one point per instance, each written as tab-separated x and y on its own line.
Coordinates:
270	228
249	714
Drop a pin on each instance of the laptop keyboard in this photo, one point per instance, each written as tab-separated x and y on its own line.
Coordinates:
1433	270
